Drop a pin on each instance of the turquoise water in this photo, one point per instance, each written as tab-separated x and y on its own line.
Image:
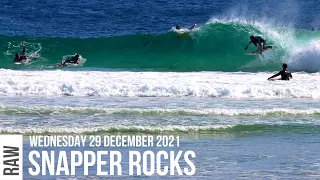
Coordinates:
215	46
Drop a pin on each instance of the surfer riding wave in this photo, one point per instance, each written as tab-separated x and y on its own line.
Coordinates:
258	42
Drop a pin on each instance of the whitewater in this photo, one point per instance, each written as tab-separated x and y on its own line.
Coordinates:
157	84
179	115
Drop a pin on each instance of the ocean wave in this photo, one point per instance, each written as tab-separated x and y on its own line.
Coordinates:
63	110
171	129
217	46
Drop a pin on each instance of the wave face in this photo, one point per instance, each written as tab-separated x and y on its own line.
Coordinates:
216	46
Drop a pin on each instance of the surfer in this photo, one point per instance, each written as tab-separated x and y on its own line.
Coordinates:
259	42
285	74
74	60
22	56
185	33
178	27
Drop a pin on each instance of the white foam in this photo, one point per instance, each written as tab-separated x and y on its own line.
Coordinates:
159	111
157	84
81	130
307	57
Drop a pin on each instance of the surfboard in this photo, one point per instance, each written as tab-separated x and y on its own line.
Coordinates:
70	64
254	53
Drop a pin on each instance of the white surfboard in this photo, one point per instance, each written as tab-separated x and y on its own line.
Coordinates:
254	53
82	61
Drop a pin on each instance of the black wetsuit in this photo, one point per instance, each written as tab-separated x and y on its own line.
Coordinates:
22	57
73	60
285	75
259	40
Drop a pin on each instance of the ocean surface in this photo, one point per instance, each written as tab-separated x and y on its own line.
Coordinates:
139	75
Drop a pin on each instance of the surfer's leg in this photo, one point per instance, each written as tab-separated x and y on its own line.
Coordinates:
264	45
23	53
61	64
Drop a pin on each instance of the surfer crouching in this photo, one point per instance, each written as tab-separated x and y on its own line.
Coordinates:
259	42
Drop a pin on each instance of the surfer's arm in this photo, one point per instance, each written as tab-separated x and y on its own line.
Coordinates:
192	26
248	45
274	76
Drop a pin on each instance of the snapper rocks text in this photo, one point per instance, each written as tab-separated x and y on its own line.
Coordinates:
60	155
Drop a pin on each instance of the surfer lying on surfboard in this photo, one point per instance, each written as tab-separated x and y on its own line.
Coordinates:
22	56
74	60
259	42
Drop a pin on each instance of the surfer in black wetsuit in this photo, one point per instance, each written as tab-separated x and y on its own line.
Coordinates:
285	74
185	34
22	56
74	60
259	42
178	27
